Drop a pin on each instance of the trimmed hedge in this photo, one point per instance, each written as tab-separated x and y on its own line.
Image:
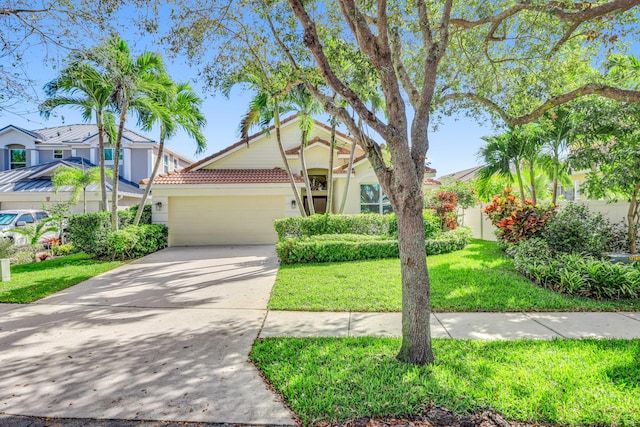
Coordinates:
135	241
575	274
351	247
363	224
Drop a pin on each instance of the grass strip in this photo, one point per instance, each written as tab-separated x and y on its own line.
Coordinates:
477	278
566	382
30	282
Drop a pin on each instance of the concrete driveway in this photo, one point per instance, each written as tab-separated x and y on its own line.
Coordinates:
166	337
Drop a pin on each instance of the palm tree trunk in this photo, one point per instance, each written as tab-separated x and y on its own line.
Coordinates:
554	196
349	170
532	180
283	154
633	219
305	175
156	166
520	183
116	169
330	171
103	178
84	199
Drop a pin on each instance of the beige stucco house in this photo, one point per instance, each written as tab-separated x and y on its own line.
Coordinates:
233	196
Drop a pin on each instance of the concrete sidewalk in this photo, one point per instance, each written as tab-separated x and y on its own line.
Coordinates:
485	326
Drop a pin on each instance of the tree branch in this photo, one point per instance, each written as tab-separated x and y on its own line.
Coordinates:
403	75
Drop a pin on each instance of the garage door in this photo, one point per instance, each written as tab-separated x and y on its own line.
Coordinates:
224	220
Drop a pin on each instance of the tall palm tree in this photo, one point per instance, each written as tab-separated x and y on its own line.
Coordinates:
263	108
134	81
558	134
184	113
299	99
81	85
78	180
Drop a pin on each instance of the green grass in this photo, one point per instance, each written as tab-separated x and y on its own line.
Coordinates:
478	278
30	282
566	382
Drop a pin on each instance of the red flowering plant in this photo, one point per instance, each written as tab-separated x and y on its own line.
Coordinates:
517	220
444	205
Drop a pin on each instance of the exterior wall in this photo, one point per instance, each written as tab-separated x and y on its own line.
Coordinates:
4	159
262	154
83	152
140	169
46	156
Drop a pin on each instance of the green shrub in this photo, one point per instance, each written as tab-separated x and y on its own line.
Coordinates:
22	255
575	229
126	216
6	248
351	247
62	250
364	224
135	241
88	232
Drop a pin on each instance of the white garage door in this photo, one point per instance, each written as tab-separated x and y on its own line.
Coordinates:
224	220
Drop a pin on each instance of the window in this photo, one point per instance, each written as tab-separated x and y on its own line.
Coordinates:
28	218
175	164
373	200
18	158
57	154
108	154
165	161
40	215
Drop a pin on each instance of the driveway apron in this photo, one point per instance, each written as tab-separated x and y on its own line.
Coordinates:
166	337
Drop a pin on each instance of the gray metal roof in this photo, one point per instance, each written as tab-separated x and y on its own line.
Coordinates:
31	133
32	180
69	134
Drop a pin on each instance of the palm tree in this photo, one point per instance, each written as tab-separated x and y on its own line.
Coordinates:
79	180
34	232
299	99
134	81
263	108
184	112
82	86
558	133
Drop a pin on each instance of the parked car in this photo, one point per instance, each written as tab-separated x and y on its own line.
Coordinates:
18	218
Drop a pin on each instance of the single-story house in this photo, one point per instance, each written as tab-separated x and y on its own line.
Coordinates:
234	195
31	188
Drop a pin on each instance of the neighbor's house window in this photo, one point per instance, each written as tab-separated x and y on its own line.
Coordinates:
175	164
18	158
372	200
108	154
165	161
57	154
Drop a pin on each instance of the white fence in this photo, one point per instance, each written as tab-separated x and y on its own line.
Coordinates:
482	228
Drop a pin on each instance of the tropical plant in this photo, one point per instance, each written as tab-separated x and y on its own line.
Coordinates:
82	85
558	133
184	113
78	179
34	233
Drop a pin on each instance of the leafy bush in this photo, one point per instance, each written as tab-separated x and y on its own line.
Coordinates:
444	205
62	250
22	255
363	224
6	248
517	220
88	232
350	247
135	241
575	229
126	216
575	274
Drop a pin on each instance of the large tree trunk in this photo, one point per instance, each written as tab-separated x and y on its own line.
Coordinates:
332	149
156	166
116	169
305	175
416	305
103	177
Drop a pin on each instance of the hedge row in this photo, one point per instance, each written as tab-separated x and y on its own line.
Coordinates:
575	274
351	247
363	224
135	241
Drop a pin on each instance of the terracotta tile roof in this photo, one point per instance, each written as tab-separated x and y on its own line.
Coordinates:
225	176
427	169
343	168
431	181
316	140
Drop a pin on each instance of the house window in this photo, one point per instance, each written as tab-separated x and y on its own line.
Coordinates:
175	164
373	200
18	158
57	154
108	154
165	161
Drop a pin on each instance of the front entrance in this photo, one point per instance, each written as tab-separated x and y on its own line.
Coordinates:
319	204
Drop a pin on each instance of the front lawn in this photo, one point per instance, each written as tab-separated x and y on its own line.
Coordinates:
567	382
477	278
30	282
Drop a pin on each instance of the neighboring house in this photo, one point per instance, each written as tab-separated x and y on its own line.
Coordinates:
233	196
465	175
21	148
31	188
